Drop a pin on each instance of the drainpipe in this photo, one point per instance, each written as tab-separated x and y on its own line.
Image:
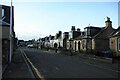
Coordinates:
11	35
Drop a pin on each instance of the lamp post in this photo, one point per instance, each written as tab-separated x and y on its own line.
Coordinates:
11	35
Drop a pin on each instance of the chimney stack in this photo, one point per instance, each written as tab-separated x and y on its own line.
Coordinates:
108	22
78	29
73	28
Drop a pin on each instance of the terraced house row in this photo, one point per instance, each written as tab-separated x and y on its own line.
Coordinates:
95	40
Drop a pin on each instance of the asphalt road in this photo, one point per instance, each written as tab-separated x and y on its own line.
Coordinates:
51	65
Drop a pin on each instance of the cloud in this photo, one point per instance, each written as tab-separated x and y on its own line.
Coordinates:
29	35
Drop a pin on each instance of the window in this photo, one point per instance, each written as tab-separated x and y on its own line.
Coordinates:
88	31
70	36
85	31
2	12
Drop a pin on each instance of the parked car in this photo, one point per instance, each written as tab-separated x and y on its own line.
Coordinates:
30	46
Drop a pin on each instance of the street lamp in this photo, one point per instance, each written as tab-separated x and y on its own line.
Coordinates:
11	35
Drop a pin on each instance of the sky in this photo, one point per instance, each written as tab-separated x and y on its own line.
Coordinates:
34	19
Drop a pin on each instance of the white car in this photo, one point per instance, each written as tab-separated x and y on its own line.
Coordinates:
30	46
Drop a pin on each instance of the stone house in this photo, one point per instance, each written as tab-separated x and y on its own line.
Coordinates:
100	42
46	43
72	35
90	32
21	43
84	41
5	31
65	38
115	42
41	43
51	41
58	40
78	43
94	36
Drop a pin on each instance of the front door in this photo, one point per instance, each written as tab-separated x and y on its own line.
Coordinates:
79	46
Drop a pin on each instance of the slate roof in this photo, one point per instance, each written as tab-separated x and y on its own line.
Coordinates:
116	32
92	27
78	38
103	33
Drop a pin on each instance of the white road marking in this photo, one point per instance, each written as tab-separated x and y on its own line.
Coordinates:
28	66
36	70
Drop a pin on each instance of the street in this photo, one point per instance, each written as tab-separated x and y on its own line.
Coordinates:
54	65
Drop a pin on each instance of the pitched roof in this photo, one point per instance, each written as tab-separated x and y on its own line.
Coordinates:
92	27
104	33
116	32
78	38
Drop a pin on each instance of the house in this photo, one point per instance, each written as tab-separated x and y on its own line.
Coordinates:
46	43
35	43
21	43
5	31
72	35
92	36
42	43
29	42
58	40
65	38
4	28
78	42
51	41
84	41
6	18
115	42
100	42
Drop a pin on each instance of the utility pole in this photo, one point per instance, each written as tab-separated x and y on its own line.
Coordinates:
11	35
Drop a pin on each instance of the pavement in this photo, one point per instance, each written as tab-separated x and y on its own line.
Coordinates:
18	69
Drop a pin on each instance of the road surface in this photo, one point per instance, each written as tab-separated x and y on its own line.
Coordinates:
54	65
